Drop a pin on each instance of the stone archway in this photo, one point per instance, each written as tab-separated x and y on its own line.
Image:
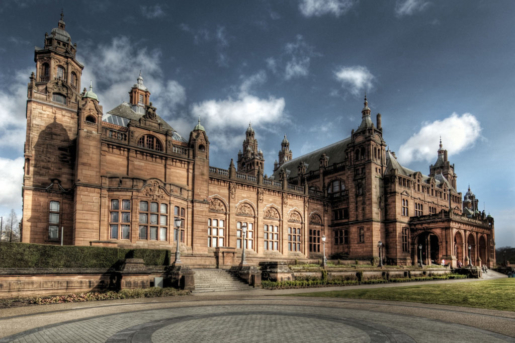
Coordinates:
430	248
458	247
482	250
471	242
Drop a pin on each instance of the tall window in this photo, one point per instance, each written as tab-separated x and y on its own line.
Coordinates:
361	232
314	240
150	142
150	219
294	239
432	210
179	213
249	239
120	219
60	72
45	72
419	209
342	213
54	220
405	208
405	239
163	222
215	233
336	188
271	236
341	237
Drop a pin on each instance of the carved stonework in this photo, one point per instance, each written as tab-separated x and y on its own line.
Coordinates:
260	195
150	113
326	207
285	198
306	206
457	211
216	205
316	220
232	190
271	213
154	191
245	210
295	217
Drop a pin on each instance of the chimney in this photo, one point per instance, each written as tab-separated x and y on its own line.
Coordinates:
445	155
378	119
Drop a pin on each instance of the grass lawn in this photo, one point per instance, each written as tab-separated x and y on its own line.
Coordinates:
494	294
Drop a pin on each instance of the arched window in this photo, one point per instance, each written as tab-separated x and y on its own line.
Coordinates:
60	72
56	97
45	72
150	142
74	80
90	119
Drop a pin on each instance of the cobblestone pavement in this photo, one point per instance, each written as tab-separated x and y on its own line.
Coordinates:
256	319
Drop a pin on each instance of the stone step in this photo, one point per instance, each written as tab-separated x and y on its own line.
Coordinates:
217	280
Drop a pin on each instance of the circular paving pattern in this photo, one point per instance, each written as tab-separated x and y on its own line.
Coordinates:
256	323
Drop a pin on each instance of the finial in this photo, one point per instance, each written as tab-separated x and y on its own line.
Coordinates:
199	120
90	85
441	142
62	14
366	101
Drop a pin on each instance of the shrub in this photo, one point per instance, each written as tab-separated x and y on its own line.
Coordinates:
24	255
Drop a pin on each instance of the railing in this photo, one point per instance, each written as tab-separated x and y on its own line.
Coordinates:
277	184
251	178
241	176
267	182
219	171
180	150
45	78
314	192
114	134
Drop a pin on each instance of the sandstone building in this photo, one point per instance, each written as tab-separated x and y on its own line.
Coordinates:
124	177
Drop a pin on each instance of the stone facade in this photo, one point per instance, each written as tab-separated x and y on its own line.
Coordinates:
126	178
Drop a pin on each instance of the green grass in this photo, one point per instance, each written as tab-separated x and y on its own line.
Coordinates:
494	294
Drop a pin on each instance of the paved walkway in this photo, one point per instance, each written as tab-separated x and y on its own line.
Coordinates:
255	317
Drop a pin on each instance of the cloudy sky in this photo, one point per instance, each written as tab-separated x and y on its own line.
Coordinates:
296	67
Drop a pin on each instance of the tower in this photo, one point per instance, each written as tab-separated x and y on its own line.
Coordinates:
443	166
139	96
251	159
285	153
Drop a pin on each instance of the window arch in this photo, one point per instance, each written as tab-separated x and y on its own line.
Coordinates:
150	142
56	97
90	119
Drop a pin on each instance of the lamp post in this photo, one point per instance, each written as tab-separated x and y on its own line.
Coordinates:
379	245
324	261
420	249
470	260
178	223
244	229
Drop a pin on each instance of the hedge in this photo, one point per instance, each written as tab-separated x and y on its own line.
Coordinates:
24	255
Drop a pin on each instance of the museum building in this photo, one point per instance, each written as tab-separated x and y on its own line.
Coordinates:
126	178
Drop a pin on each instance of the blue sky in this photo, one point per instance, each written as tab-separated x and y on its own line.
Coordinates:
301	68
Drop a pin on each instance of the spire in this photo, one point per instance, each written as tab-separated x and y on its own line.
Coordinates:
62	14
199	127
61	24
366	109
90	94
441	146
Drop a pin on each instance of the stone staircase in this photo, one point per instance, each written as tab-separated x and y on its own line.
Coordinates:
217	280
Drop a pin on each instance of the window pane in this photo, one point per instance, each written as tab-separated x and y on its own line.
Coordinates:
275	236
153	219
114	217
220	242
209	222
154	207
115	205
162	234
143	206
238	244
143	218
126	229
54	206
175	235
176	211
238	233
54	218
182	223
289	230
153	233
209	242
289	246
114	231
214	232
126	217
266	235
249	234
209	231
213	242
238	225
266	227
221	223
183	212
215	222
126	205
249	244
53	232
266	246
163	220
220	232
164	208
298	246
251	226
142	232
275	245
275	228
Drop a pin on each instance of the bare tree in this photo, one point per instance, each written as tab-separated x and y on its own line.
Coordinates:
12	227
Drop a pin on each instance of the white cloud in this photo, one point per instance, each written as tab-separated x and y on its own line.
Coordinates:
11	178
458	133
355	79
223	118
271	64
409	7
114	67
310	8
152	12
299	54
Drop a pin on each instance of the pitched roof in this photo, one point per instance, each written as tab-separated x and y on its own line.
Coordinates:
335	153
123	113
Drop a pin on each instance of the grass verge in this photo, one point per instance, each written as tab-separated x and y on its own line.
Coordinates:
493	294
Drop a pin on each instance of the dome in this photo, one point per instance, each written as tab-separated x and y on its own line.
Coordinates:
469	194
250	129
90	94
139	84
199	127
61	35
285	140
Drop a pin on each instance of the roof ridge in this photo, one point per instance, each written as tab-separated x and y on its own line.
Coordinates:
314	151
